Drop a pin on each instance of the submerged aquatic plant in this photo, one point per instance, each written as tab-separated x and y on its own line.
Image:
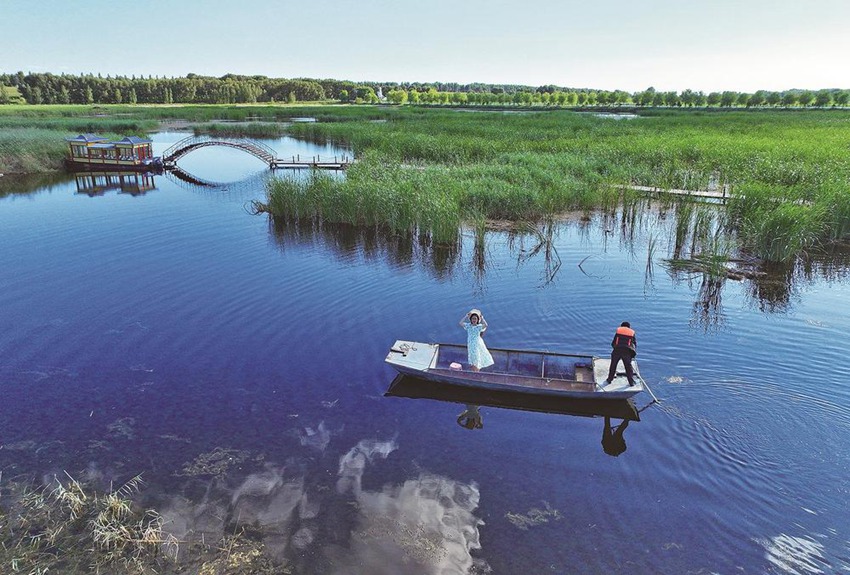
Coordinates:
67	526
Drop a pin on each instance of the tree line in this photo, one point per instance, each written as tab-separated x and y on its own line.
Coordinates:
46	88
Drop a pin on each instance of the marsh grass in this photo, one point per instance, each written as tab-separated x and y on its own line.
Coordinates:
242	130
437	167
68	527
533	166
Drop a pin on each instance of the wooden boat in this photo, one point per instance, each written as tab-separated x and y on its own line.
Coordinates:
90	151
412	387
533	372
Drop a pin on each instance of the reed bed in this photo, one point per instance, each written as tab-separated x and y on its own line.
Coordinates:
242	130
433	168
30	150
528	166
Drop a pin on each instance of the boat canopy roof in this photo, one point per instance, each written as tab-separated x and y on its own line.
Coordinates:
135	140
87	138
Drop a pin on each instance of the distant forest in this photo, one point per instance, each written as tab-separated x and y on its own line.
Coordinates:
235	89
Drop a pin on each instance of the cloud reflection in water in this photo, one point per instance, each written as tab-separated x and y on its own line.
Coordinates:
425	525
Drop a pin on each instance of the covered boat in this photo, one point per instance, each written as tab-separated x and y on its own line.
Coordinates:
90	151
533	372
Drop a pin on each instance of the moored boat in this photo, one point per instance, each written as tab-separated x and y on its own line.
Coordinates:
90	151
533	372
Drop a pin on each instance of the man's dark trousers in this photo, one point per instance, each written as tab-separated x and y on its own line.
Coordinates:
626	355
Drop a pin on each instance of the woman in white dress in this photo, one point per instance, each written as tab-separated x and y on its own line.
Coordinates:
475	325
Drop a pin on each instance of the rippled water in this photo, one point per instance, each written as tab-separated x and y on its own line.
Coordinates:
238	364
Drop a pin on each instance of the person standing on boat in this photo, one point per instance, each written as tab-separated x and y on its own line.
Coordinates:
475	326
625	349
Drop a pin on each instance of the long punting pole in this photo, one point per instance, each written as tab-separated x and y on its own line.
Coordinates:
646	385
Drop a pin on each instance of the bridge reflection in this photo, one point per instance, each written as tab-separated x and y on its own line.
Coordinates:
249	188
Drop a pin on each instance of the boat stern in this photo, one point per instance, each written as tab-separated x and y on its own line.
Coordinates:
619	387
412	357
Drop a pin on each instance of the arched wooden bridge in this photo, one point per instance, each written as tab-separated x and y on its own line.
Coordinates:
256	149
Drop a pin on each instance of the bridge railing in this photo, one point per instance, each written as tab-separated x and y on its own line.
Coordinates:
192	141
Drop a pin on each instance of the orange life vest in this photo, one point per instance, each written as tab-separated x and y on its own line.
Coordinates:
625	337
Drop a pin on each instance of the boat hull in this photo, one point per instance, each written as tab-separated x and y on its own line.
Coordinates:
413	387
517	371
81	165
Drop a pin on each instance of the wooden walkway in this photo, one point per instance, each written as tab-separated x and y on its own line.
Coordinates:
313	162
717	195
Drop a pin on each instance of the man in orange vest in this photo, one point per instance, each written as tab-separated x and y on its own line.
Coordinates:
625	348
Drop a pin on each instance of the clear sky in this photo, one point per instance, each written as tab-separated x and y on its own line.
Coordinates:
709	45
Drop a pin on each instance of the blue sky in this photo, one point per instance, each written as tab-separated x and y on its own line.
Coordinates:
713	45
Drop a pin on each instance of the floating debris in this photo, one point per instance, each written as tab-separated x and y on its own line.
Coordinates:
122	428
172	437
534	517
217	462
26	445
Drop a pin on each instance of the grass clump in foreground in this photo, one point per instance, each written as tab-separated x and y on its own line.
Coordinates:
432	169
66	528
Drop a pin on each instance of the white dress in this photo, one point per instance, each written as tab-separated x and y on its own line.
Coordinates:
479	355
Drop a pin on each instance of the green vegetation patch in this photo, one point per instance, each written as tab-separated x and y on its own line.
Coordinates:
434	168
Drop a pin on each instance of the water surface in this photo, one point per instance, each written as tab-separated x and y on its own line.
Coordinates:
238	360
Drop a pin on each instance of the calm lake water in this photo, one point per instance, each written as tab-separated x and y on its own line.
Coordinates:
238	365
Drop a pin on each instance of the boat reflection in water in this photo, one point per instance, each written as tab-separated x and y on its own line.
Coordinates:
98	183
613	442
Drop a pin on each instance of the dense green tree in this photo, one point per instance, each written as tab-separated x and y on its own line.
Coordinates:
806	98
397	96
688	98
36	96
645	98
823	98
672	99
759	98
235	88
728	99
790	99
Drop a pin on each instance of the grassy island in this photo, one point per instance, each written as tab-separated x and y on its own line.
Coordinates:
788	172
